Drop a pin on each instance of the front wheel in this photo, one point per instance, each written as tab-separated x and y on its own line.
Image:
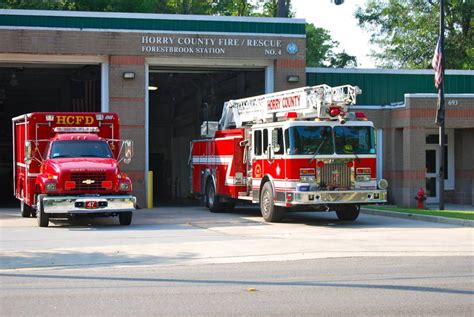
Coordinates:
348	212
41	216
125	218
270	212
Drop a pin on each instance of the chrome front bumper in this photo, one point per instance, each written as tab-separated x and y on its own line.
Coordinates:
340	197
71	204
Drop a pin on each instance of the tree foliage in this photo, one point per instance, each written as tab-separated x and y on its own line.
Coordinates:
407	30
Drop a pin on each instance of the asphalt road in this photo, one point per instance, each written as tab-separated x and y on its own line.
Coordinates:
388	286
187	261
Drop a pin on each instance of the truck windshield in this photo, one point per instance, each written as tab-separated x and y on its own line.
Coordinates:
354	140
80	149
309	140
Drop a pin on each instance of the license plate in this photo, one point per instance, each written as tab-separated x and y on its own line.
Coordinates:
91	204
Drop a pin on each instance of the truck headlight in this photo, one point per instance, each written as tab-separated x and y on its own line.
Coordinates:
50	187
383	184
124	186
363	178
307	178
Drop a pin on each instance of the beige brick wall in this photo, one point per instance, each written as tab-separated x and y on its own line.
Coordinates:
127	98
404	144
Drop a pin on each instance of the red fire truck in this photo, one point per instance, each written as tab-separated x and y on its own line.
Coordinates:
68	164
295	149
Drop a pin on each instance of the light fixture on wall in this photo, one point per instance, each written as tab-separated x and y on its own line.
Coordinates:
152	87
293	78
128	75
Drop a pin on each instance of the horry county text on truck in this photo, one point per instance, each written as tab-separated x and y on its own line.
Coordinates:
67	165
292	150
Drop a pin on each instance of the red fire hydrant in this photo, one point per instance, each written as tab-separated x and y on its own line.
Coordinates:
421	197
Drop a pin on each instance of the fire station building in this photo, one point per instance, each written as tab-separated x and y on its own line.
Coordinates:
165	74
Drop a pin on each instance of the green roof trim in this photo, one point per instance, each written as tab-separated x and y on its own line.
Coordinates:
386	88
149	24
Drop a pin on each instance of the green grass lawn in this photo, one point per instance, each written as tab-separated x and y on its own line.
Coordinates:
459	214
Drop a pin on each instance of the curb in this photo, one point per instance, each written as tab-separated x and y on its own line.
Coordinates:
394	214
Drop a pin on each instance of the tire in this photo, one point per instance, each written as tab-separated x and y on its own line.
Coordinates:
41	217
26	211
270	212
212	200
125	218
348	212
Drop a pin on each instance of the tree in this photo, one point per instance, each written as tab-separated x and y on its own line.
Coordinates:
233	7
320	50
407	30
142	6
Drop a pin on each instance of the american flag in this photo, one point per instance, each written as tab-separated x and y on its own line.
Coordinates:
437	64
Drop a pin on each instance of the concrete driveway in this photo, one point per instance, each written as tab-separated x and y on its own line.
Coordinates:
186	235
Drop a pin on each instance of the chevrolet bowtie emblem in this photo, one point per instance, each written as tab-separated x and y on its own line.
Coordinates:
88	181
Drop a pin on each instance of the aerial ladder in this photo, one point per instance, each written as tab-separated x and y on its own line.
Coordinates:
315	102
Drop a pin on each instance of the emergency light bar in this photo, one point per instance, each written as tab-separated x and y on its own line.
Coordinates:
76	129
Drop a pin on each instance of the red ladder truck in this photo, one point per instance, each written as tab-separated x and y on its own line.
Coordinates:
294	149
67	164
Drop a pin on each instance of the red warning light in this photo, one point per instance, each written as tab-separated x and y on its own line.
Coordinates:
360	116
334	111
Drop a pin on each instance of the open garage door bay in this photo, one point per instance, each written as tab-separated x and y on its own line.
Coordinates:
30	87
180	99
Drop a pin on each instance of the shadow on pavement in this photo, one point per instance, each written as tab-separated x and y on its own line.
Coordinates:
89	259
362	284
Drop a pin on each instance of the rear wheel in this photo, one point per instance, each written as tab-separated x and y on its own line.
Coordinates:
348	212
26	211
270	212
125	218
212	199
41	216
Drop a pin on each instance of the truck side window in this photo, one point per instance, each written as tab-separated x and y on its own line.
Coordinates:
257	141
281	150
265	140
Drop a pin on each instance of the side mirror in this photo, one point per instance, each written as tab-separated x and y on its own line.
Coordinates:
270	152
28	157
128	151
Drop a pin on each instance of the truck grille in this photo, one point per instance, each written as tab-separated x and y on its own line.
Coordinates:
335	175
88	181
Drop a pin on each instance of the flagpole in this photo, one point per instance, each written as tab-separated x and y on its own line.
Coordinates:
441	110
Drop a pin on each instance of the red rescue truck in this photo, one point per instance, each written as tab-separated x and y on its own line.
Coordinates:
68	164
295	149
